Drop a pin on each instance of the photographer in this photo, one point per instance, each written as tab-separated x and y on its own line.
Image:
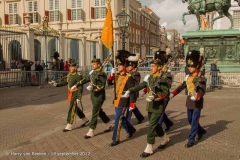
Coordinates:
214	73
27	67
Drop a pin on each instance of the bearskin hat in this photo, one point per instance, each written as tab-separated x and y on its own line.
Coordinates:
193	59
123	56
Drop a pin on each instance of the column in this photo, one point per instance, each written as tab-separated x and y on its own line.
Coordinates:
29	45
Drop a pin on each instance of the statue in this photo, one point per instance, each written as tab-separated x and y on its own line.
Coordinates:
199	7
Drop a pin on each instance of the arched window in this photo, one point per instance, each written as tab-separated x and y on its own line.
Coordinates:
37	50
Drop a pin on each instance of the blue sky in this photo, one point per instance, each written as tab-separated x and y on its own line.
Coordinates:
170	12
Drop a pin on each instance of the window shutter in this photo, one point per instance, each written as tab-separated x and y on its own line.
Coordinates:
6	19
47	14
24	14
69	13
92	13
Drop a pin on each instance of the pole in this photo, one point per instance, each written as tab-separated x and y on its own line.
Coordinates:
45	41
123	39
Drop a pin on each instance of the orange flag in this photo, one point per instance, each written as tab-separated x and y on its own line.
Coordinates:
107	32
203	21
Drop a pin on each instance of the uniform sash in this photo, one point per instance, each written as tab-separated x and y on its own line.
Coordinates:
70	93
116	102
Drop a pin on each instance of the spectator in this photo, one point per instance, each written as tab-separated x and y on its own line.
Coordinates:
66	66
214	73
1	66
38	68
43	64
61	65
55	68
55	55
27	66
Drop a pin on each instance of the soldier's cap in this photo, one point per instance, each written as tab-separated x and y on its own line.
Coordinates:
96	60
157	62
133	63
73	64
193	59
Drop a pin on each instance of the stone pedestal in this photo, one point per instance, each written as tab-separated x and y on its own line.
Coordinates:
222	45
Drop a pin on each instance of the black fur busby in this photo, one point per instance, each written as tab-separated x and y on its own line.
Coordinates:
161	55
123	56
193	59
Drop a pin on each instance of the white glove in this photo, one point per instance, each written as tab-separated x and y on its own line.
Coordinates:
91	72
186	77
113	89
146	78
126	95
131	108
78	101
113	70
193	98
89	88
150	98
73	87
50	82
54	84
171	96
142	94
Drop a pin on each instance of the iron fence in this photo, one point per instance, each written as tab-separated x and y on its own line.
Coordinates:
17	77
20	78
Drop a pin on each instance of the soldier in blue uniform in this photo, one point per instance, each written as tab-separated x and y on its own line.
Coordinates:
196	86
123	82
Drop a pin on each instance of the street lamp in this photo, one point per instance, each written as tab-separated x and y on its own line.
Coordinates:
123	23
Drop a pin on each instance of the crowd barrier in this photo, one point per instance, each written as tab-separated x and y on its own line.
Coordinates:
27	78
20	78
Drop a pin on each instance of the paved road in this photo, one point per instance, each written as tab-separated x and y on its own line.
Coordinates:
32	119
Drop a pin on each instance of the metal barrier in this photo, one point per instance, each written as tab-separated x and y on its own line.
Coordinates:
17	77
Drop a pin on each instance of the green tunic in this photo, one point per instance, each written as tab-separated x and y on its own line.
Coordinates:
155	106
98	81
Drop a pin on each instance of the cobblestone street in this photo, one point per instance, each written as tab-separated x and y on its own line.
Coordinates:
32	119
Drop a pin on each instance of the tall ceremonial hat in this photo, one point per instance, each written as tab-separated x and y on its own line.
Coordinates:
133	60
122	57
96	60
194	59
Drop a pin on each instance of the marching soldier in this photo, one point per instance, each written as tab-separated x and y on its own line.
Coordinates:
196	87
132	69
97	79
74	97
157	88
164	56
123	82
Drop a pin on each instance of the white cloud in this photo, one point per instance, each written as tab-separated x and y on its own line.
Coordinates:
170	11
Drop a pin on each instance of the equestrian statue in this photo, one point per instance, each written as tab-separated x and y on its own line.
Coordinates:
199	7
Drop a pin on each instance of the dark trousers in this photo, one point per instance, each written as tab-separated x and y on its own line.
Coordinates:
72	109
120	120
137	114
164	118
97	111
154	125
193	119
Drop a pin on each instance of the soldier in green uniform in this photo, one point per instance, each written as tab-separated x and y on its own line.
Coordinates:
157	91
74	96
97	79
